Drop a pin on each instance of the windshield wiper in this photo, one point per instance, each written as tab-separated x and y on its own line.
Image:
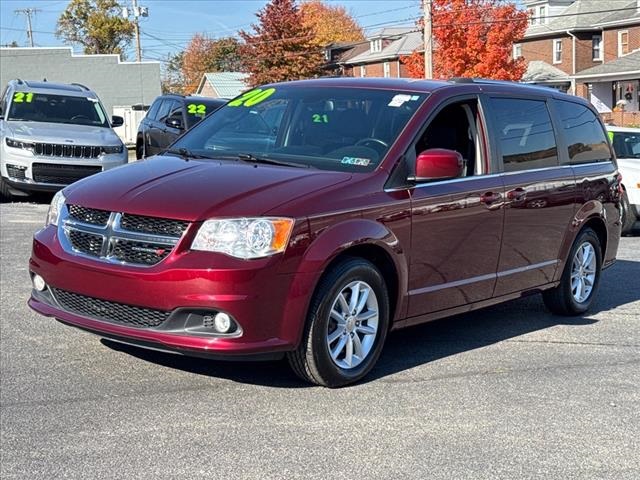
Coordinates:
247	157
185	153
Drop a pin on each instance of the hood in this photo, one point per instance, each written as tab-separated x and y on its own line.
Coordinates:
170	187
62	133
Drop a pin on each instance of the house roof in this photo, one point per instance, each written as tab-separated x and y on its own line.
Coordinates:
588	15
541	72
226	84
627	65
404	41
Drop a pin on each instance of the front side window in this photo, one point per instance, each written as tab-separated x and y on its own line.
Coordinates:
153	111
342	129
40	107
525	134
583	132
596	43
626	144
557	51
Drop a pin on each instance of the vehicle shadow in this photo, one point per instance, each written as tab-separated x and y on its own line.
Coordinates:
422	344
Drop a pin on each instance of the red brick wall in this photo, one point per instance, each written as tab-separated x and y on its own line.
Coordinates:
377	70
542	49
622	119
611	41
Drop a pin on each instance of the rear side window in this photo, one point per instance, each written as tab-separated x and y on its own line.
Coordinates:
525	134
163	112
153	111
585	137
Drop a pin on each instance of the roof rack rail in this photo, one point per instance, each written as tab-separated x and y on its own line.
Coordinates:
19	81
81	86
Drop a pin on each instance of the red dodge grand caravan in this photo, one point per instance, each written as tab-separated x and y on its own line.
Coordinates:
310	218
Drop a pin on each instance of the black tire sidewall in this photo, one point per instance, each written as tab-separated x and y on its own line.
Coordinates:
352	270
590	236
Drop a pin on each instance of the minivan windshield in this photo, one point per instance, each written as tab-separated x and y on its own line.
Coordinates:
331	128
40	107
626	144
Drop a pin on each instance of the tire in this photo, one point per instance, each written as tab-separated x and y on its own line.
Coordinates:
628	216
326	328
567	298
139	149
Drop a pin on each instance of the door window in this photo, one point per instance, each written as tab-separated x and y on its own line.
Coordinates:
153	111
164	110
525	134
586	140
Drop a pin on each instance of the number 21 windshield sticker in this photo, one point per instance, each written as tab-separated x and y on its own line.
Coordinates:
21	97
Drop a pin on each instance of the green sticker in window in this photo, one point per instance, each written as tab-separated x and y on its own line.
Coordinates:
320	118
611	134
21	97
196	109
252	97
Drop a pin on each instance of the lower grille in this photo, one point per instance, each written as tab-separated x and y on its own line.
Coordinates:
87	243
61	174
16	172
89	215
109	311
139	252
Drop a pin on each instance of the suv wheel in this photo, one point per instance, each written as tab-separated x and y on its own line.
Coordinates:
628	217
580	278
139	149
346	326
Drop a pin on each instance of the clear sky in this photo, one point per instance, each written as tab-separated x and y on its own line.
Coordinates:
171	23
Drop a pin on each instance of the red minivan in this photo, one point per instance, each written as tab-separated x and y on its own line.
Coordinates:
309	218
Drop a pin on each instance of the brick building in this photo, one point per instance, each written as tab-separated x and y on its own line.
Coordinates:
586	47
377	56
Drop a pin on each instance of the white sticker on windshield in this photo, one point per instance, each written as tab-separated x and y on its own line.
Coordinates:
399	100
361	162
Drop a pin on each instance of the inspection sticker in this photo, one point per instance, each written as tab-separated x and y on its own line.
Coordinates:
399	100
361	162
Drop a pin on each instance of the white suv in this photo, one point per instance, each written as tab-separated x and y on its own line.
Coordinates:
51	135
626	143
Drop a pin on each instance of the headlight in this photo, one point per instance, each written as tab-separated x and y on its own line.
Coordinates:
57	204
244	237
13	143
113	149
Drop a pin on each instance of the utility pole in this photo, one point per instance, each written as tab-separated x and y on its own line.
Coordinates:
137	13
428	39
27	12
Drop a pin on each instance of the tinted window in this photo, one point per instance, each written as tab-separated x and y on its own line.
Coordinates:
40	107
176	110
198	108
153	111
525	133
163	112
584	134
626	144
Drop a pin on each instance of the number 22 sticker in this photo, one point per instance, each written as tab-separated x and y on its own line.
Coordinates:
196	109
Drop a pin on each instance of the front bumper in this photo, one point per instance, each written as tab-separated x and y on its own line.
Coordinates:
269	306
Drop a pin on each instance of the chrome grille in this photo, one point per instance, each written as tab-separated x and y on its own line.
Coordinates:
68	151
110	311
103	235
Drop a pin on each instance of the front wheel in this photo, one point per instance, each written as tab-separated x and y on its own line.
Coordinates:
580	278
346	326
628	217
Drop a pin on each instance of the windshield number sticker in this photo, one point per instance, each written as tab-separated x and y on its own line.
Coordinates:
197	109
317	118
252	97
361	162
21	97
611	135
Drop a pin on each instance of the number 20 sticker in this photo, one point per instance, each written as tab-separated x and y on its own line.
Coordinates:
252	98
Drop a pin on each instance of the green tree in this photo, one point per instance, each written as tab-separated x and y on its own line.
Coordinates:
97	25
204	55
281	46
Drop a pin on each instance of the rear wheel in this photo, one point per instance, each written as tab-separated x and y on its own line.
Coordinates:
628	216
139	149
346	326
580	278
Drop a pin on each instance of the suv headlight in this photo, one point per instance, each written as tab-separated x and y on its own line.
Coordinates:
113	149
13	143
57	204
244	237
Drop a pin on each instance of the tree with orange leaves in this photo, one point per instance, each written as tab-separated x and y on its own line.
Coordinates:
329	23
473	38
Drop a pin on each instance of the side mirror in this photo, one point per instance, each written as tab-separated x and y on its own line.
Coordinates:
438	164
174	122
117	121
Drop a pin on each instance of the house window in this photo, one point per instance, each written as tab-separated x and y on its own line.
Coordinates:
557	51
517	51
596	47
623	43
543	14
363	70
387	70
376	45
532	16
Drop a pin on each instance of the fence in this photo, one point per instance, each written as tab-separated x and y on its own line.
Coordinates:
622	119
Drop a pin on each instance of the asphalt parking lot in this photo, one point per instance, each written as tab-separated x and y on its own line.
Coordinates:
508	392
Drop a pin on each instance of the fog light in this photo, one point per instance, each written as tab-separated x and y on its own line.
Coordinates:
38	283
222	322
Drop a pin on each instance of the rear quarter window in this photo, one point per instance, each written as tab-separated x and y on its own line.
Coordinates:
585	137
525	134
